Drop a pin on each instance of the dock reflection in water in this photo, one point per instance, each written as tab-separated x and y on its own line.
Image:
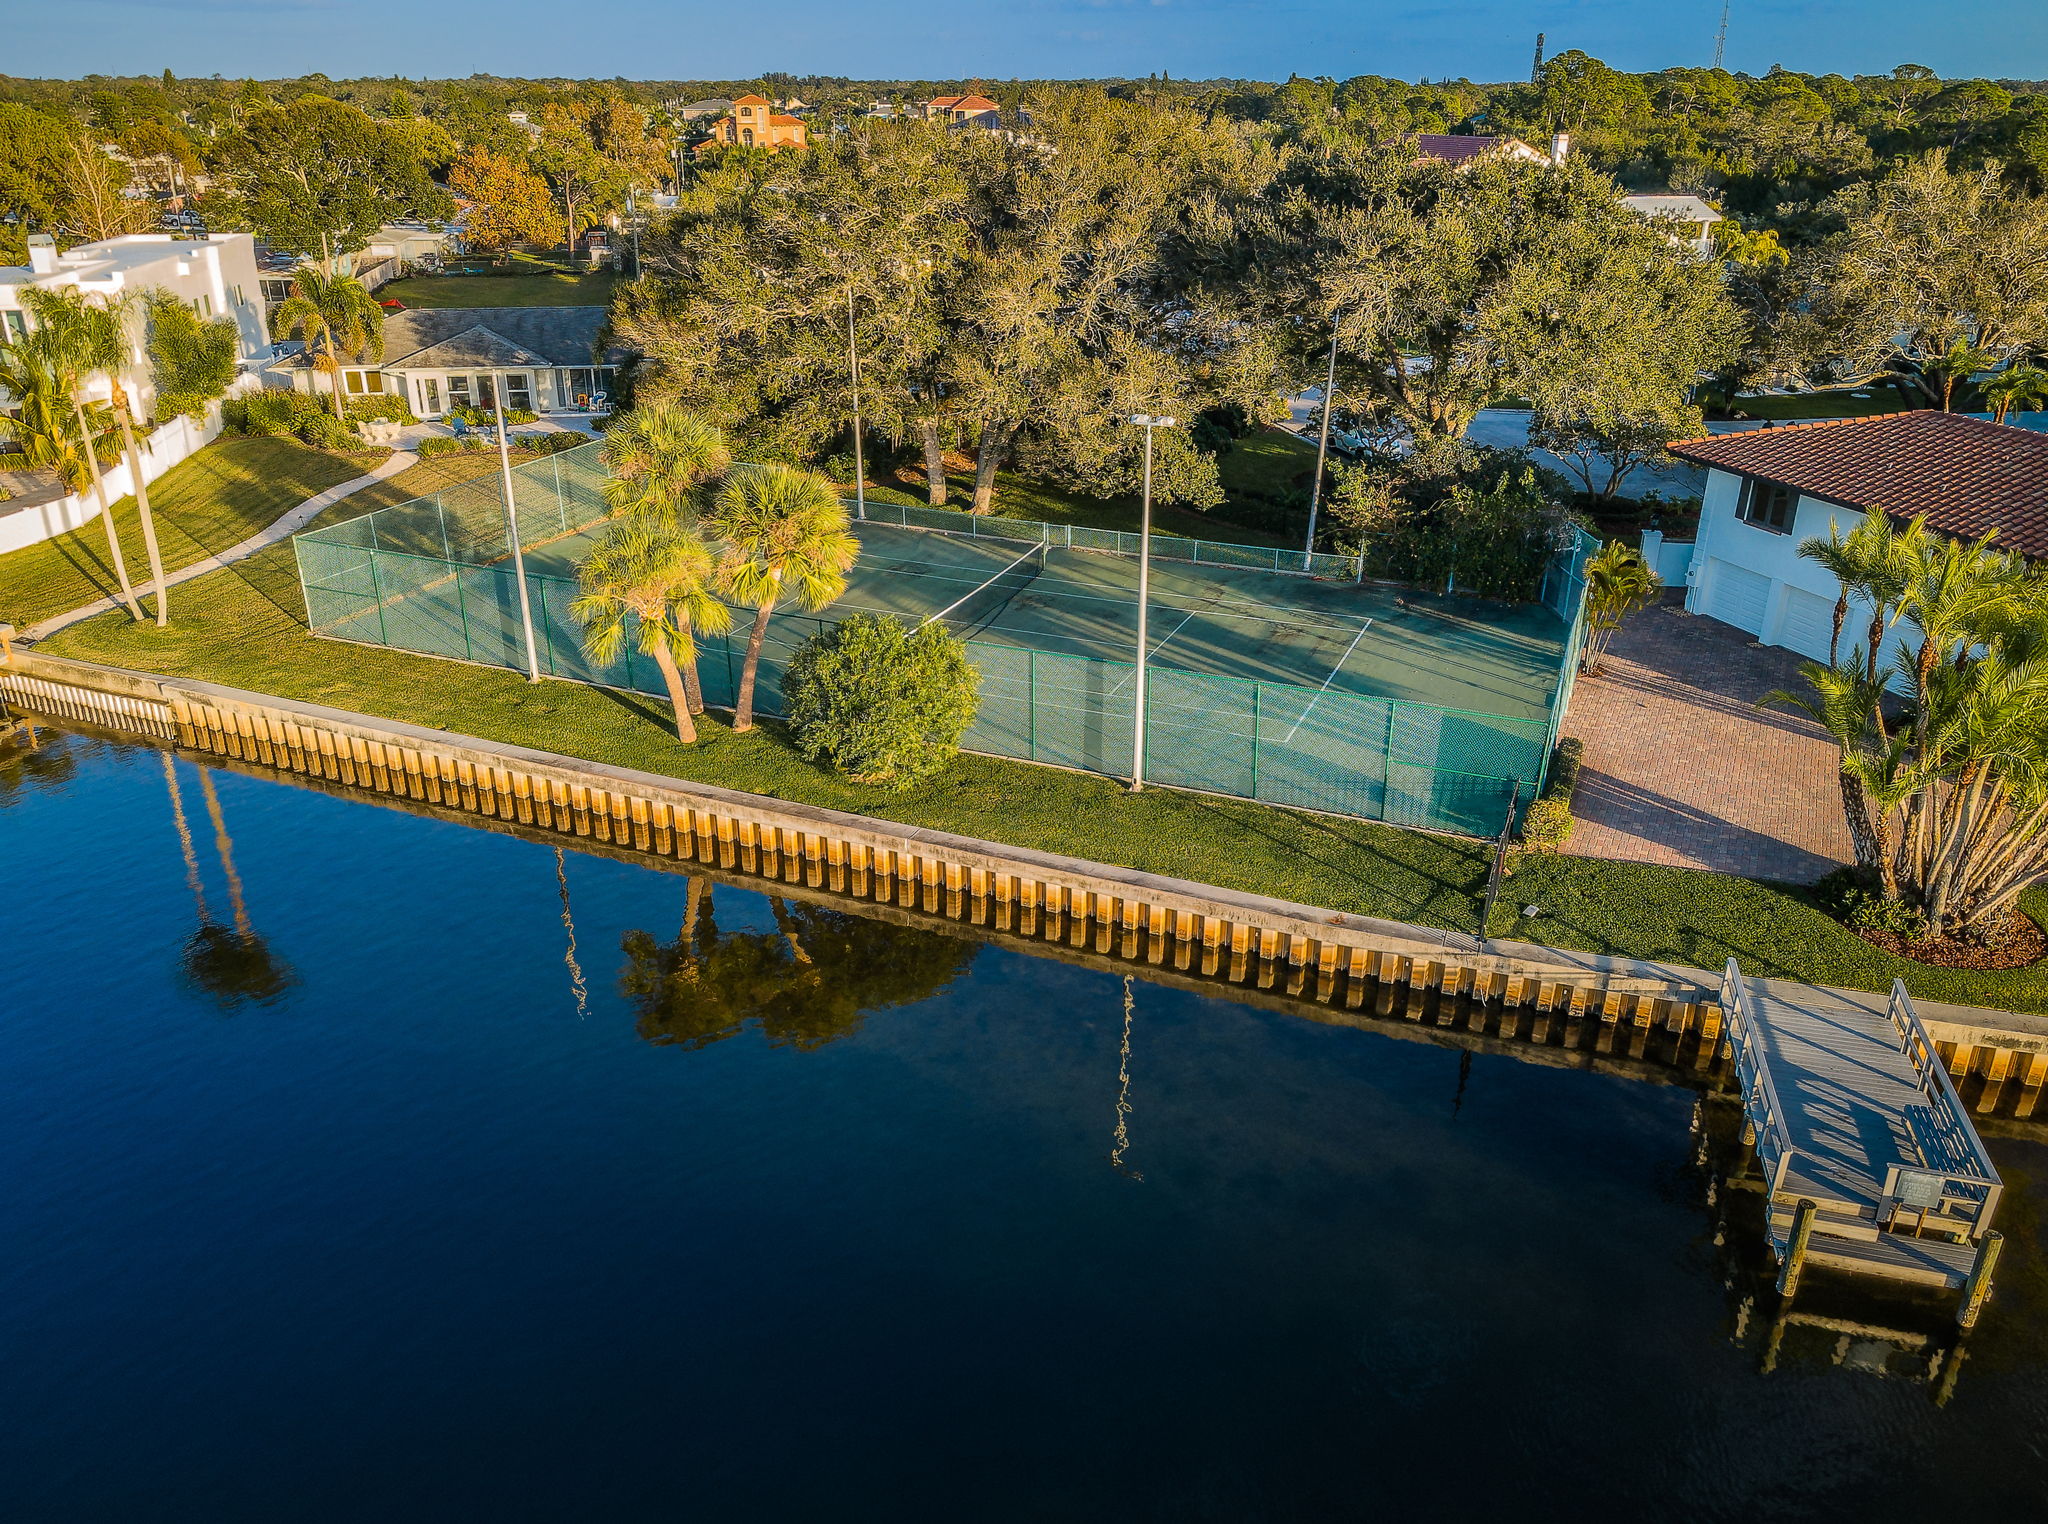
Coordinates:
516	1185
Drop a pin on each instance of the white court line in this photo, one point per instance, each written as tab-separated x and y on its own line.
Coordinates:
1329	680
1132	674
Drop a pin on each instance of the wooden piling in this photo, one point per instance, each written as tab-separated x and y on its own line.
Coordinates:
1795	1251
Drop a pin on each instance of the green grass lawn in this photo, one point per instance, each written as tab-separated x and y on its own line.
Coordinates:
1267	462
540	284
1836	402
1021	497
244	627
221	496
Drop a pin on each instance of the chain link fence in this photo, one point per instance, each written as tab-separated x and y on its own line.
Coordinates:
429	576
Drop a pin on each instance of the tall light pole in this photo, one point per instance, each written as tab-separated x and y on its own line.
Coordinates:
1315	491
512	528
1148	422
633	216
860	485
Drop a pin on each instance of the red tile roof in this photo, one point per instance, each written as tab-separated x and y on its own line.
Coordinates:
1966	477
755	100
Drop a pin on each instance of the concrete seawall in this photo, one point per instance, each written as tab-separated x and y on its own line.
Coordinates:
1250	940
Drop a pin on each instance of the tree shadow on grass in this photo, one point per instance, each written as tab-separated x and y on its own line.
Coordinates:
1450	902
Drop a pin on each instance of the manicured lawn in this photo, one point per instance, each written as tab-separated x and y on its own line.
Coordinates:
1838	402
1268	462
1019	497
537	285
222	495
245	627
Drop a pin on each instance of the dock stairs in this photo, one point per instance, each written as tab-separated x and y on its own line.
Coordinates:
1870	1163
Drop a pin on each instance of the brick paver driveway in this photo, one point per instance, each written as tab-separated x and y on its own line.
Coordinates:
1683	768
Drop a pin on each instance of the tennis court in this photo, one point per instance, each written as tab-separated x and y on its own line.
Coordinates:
1320	691
1348	637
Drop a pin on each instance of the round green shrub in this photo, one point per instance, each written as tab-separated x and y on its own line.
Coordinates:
879	701
324	431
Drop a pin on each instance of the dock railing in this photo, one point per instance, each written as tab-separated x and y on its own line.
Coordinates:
1960	1187
1760	1103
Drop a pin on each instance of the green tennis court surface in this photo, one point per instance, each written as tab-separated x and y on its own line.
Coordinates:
1325	634
1315	691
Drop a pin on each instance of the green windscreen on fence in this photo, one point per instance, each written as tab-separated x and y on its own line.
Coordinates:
434	576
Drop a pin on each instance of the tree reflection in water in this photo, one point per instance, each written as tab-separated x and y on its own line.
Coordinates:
232	965
809	982
26	763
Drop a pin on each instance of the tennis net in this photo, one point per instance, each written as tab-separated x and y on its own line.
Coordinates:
980	605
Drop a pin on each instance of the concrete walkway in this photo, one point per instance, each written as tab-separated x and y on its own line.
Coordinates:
284	527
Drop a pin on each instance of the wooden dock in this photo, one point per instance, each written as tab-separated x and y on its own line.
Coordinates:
1870	1162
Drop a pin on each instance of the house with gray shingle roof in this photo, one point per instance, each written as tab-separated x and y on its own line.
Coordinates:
551	360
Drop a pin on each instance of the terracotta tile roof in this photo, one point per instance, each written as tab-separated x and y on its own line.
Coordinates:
750	100
1966	477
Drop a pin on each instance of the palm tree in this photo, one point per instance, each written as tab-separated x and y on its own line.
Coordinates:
1955	593
36	436
658	457
785	534
1618	582
335	315
2019	388
659	576
1960	361
1869	564
85	337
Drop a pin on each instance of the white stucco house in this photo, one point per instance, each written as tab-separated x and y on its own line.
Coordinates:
1769	490
550	359
216	277
1694	217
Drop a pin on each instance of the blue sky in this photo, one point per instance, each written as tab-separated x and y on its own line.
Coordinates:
1001	39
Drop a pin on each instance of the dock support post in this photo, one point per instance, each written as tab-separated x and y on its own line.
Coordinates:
1795	1251
1979	1285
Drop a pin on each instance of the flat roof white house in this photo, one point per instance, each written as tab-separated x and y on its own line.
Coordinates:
216	277
1768	490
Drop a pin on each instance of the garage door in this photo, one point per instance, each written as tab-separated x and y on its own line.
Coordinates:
1809	623
1738	597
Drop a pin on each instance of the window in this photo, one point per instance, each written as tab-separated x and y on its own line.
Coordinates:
519	392
373	380
354	378
203	305
17	325
430	395
458	392
1767	505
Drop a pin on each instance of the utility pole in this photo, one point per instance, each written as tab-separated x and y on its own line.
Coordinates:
1148	423
1721	37
860	485
1315	491
1536	69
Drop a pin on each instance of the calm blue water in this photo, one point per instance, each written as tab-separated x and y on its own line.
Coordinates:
383	1211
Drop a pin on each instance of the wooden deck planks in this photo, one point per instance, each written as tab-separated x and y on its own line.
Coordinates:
1845	1088
1847	1091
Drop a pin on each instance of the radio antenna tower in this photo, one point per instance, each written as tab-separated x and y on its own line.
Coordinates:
1536	68
1721	37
